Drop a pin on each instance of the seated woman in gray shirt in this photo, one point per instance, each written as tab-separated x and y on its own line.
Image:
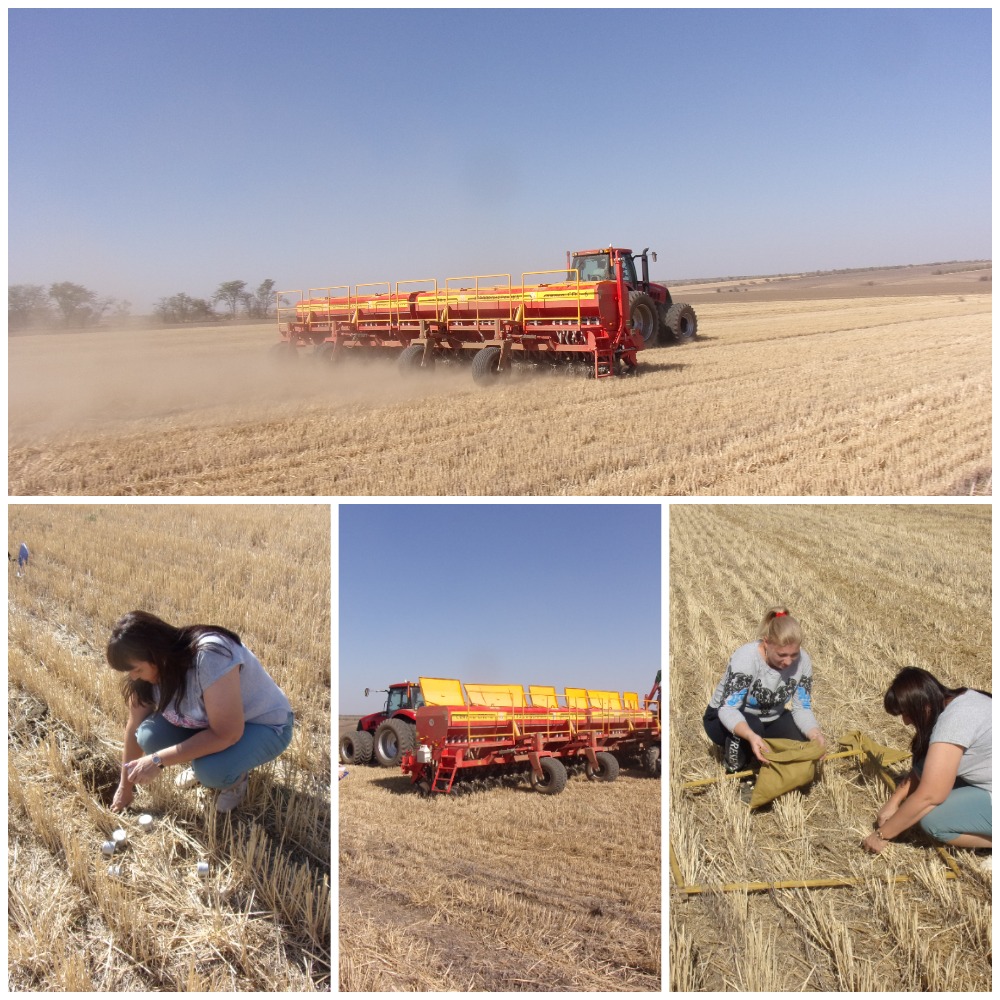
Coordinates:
749	702
949	792
198	696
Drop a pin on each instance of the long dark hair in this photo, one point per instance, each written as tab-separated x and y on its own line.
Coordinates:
142	637
920	696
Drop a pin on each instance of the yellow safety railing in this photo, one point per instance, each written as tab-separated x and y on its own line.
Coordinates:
326	292
541	293
495	293
287	313
402	300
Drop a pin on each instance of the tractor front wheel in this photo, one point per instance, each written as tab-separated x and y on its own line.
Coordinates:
553	779
392	739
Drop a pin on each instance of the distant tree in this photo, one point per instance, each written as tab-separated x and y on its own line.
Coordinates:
78	305
261	303
233	293
182	308
27	305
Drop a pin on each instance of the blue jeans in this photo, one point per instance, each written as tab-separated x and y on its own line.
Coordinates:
256	746
966	810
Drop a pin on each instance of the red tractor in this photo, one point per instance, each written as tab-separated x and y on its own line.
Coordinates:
653	314
385	736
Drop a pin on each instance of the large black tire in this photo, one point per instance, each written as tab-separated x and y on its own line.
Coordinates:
486	366
392	739
553	780
651	761
409	361
356	748
642	317
607	767
679	324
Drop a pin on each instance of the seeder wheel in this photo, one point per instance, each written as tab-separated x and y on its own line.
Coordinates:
607	767
553	779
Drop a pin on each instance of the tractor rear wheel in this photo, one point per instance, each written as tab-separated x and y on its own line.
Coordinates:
642	317
679	324
411	358
607	767
392	739
356	748
486	366
553	779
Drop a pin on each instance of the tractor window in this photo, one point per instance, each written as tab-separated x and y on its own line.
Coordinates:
398	699
593	267
628	268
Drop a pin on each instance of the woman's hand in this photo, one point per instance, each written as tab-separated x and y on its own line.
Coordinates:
759	748
874	843
123	796
141	771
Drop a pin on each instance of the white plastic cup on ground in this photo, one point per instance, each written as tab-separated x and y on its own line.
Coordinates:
203	868
119	836
108	847
145	822
115	871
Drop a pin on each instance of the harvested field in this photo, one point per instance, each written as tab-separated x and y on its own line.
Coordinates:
876	587
504	890
870	394
260	920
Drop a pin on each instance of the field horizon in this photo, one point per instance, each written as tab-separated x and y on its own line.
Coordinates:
859	393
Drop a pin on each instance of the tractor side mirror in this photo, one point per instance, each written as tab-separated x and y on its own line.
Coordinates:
366	692
653	255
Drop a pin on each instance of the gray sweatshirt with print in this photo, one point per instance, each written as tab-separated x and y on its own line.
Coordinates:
751	687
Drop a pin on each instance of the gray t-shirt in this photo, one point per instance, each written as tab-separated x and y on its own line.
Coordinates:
264	703
752	687
968	722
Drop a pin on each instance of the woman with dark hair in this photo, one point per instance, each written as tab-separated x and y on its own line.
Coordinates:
196	695
749	702
949	792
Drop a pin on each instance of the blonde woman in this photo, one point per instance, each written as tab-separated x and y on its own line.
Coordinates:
749	702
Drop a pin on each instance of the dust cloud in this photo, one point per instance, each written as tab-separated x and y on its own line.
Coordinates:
101	382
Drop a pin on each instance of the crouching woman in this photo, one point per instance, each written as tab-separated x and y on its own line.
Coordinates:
196	696
949	791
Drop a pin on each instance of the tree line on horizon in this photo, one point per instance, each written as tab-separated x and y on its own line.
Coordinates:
74	306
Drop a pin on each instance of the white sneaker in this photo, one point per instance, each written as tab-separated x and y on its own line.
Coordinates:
229	798
187	779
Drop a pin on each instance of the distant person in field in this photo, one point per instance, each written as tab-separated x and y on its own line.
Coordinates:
22	559
949	792
196	696
749	702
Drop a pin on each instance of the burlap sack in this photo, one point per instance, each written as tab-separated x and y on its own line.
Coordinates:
791	764
856	740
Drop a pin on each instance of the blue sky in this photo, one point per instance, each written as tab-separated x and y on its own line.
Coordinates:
498	593
159	151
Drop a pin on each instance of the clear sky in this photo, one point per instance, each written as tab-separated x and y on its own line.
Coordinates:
159	151
498	593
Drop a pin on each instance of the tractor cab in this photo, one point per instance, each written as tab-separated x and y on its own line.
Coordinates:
599	265
403	696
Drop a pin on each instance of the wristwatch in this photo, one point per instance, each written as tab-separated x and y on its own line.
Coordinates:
157	761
